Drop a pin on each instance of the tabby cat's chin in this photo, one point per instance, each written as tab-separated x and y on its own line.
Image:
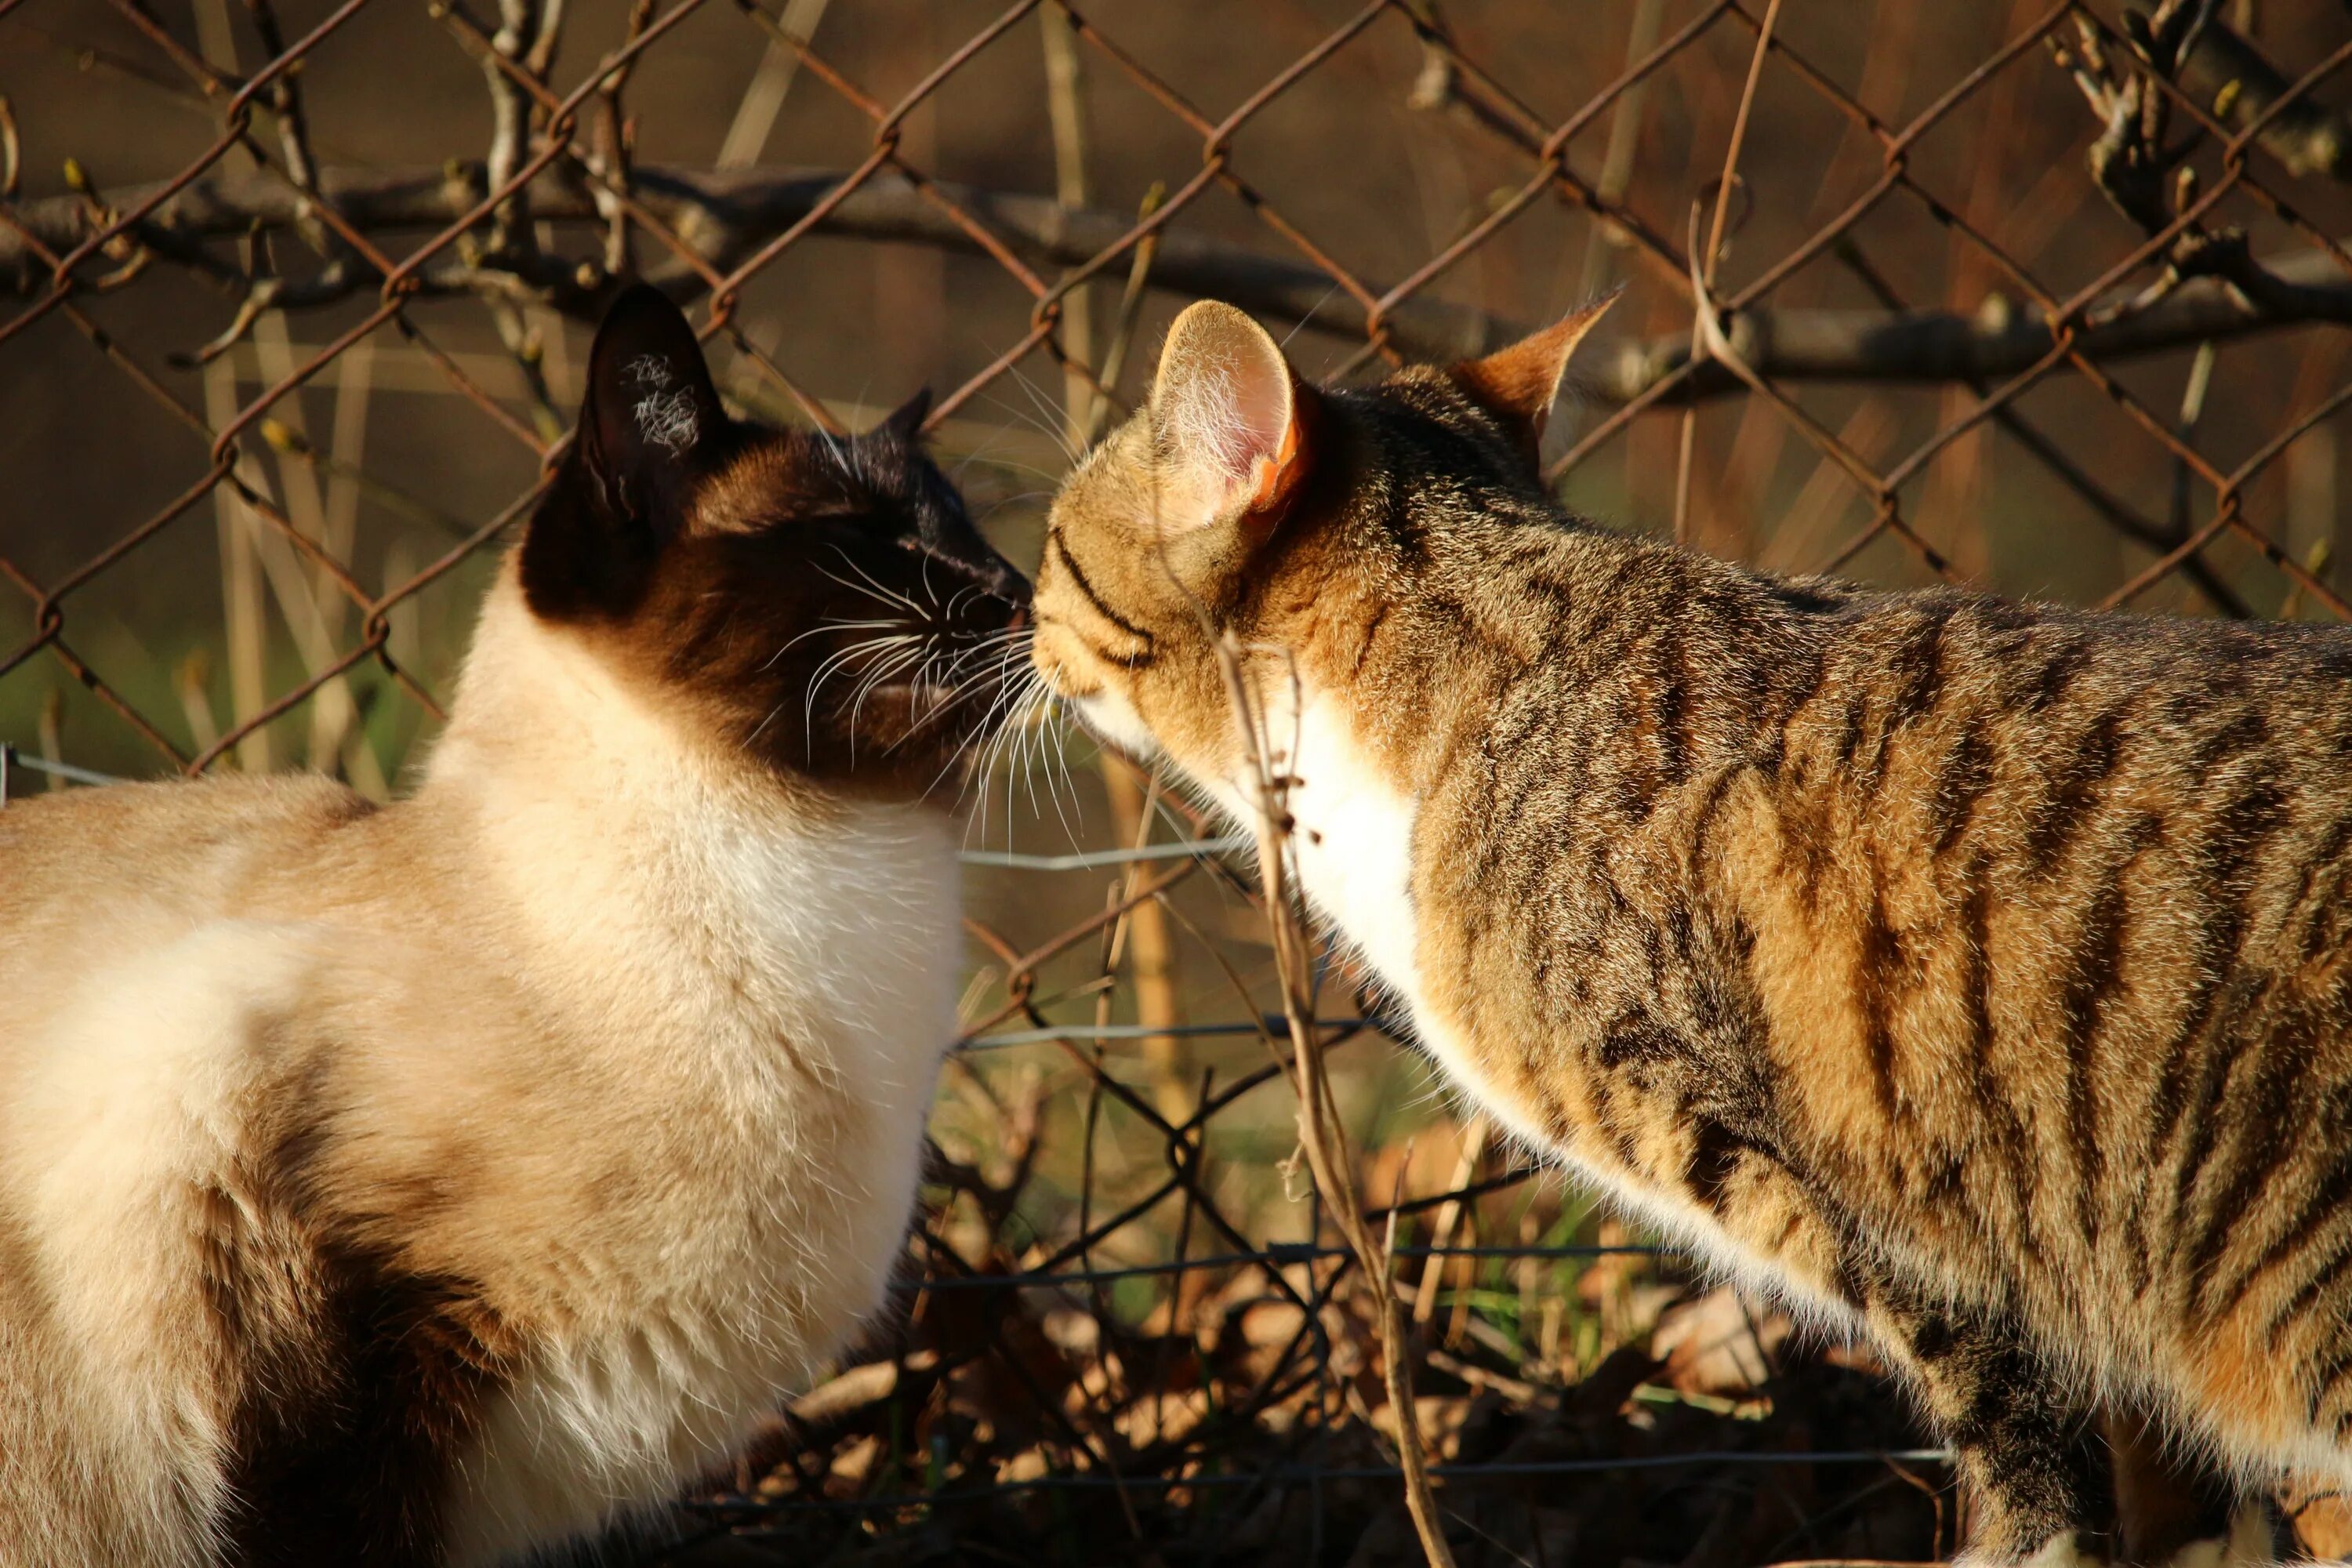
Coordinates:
1112	720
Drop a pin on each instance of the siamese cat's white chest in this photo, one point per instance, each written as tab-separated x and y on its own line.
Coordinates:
812	991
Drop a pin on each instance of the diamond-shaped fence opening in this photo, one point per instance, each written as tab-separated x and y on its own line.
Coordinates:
2040	295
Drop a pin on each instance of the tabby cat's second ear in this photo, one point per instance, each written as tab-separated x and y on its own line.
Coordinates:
1231	415
1517	383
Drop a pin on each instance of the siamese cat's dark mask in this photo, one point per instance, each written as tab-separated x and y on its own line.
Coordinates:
826	602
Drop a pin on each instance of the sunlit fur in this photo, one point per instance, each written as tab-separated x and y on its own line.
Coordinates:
431	1182
1969	974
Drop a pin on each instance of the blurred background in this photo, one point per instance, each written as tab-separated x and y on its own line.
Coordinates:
2048	299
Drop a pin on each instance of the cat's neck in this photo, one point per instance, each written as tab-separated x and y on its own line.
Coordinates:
619	841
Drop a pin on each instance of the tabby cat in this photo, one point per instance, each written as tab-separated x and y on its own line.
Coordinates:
426	1183
1973	975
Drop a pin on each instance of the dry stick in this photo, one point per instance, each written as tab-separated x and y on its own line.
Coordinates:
1473	1145
527	34
1151	945
2222	69
544	321
1150	948
1625	141
1320	1134
244	542
49	729
241	605
763	98
1764	432
1130	311
2192	414
1625	122
355	392
609	155
1706	264
1066	87
314	608
299	605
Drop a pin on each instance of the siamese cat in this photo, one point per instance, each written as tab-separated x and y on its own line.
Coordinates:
430	1183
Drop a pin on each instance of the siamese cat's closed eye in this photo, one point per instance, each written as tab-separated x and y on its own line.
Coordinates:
425	1183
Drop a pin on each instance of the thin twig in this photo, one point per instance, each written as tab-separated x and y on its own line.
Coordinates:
1703	265
1320	1134
763	97
1065	110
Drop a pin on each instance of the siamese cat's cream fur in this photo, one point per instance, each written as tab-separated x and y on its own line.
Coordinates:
431	1182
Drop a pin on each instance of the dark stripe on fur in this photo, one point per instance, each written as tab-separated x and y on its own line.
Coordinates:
1061	552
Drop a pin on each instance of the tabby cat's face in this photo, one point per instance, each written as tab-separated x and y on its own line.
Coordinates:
822	605
1242	503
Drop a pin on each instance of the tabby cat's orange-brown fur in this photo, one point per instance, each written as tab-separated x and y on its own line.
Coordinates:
1973	973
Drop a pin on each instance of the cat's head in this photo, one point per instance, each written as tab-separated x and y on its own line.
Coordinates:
1241	502
822	605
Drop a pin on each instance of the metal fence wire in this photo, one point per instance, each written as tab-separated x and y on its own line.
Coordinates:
2046	297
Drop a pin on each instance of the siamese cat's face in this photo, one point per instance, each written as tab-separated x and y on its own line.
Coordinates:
824	606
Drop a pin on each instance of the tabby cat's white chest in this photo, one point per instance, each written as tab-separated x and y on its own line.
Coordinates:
1352	834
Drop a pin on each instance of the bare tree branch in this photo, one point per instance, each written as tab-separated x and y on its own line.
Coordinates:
725	215
2238	84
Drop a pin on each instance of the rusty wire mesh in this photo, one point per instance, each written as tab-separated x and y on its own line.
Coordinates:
2036	295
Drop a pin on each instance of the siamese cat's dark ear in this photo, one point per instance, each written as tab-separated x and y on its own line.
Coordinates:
650	424
1518	383
651	412
1232	420
906	421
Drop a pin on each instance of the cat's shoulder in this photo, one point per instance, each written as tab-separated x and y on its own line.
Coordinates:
187	810
168	840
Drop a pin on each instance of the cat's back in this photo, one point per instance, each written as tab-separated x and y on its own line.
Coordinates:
171	839
88	874
1968	730
2163	672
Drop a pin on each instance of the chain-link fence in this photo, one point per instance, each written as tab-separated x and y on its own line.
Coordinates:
2046	297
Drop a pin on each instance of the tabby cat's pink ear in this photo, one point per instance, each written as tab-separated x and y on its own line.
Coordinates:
1517	383
1230	415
